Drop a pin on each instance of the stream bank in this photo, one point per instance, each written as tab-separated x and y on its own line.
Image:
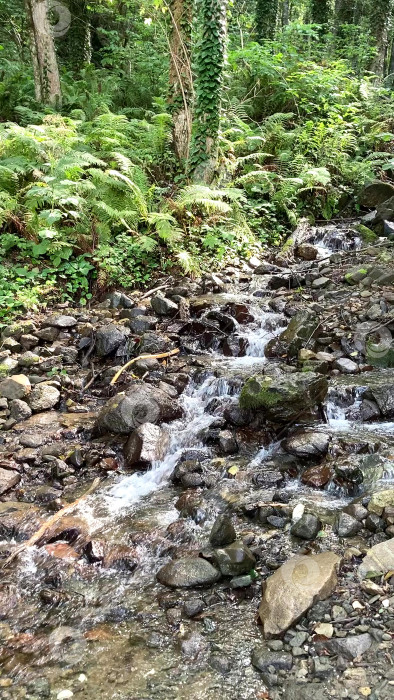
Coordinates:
269	437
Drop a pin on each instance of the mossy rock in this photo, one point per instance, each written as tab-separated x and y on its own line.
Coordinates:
285	398
367	236
7	366
301	329
356	275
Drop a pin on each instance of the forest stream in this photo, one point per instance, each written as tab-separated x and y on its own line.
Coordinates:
150	586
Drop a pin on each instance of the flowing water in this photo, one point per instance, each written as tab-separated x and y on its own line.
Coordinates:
106	639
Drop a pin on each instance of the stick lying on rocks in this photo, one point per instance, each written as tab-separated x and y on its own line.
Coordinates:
159	356
48	523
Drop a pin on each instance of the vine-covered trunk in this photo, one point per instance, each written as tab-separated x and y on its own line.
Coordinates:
181	81
74	45
266	18
46	72
210	57
379	15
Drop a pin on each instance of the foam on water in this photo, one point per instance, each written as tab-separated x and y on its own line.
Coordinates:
184	433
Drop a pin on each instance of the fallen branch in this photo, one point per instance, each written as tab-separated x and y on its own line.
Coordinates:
155	289
54	519
159	356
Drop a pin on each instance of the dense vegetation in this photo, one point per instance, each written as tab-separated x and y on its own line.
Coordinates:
148	136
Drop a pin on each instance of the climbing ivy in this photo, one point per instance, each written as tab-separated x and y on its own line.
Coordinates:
210	53
320	11
266	18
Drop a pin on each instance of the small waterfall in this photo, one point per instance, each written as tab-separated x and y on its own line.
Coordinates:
184	433
267	325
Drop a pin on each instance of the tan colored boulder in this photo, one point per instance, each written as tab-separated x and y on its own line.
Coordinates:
379	559
15	387
381	500
297	585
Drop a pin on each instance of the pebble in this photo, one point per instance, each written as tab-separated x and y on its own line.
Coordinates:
64	694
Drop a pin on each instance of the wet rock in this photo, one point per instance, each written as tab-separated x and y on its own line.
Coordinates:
234	346
351	647
307	444
346	366
316	477
43	397
284	398
374	524
19	410
347	526
194	645
61	322
120	557
128	411
356	510
19	520
262	659
15	387
302	327
306	251
235	560
146	445
163	306
8	479
227	442
294	588
379	559
223	532
187	573
110	338
193	607
306	527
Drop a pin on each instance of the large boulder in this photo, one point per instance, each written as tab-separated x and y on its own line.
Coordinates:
378	560
297	585
129	410
307	445
8	479
301	329
146	445
43	397
15	387
284	398
110	338
163	306
376	193
188	573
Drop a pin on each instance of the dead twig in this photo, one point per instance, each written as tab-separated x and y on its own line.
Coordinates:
158	356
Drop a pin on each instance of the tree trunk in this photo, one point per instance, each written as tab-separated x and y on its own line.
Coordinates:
344	12
390	70
266	18
210	62
46	72
320	11
181	81
379	16
285	13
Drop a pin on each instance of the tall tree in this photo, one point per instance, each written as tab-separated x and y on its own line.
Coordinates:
266	18
379	17
320	11
181	80
210	57
42	46
345	11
